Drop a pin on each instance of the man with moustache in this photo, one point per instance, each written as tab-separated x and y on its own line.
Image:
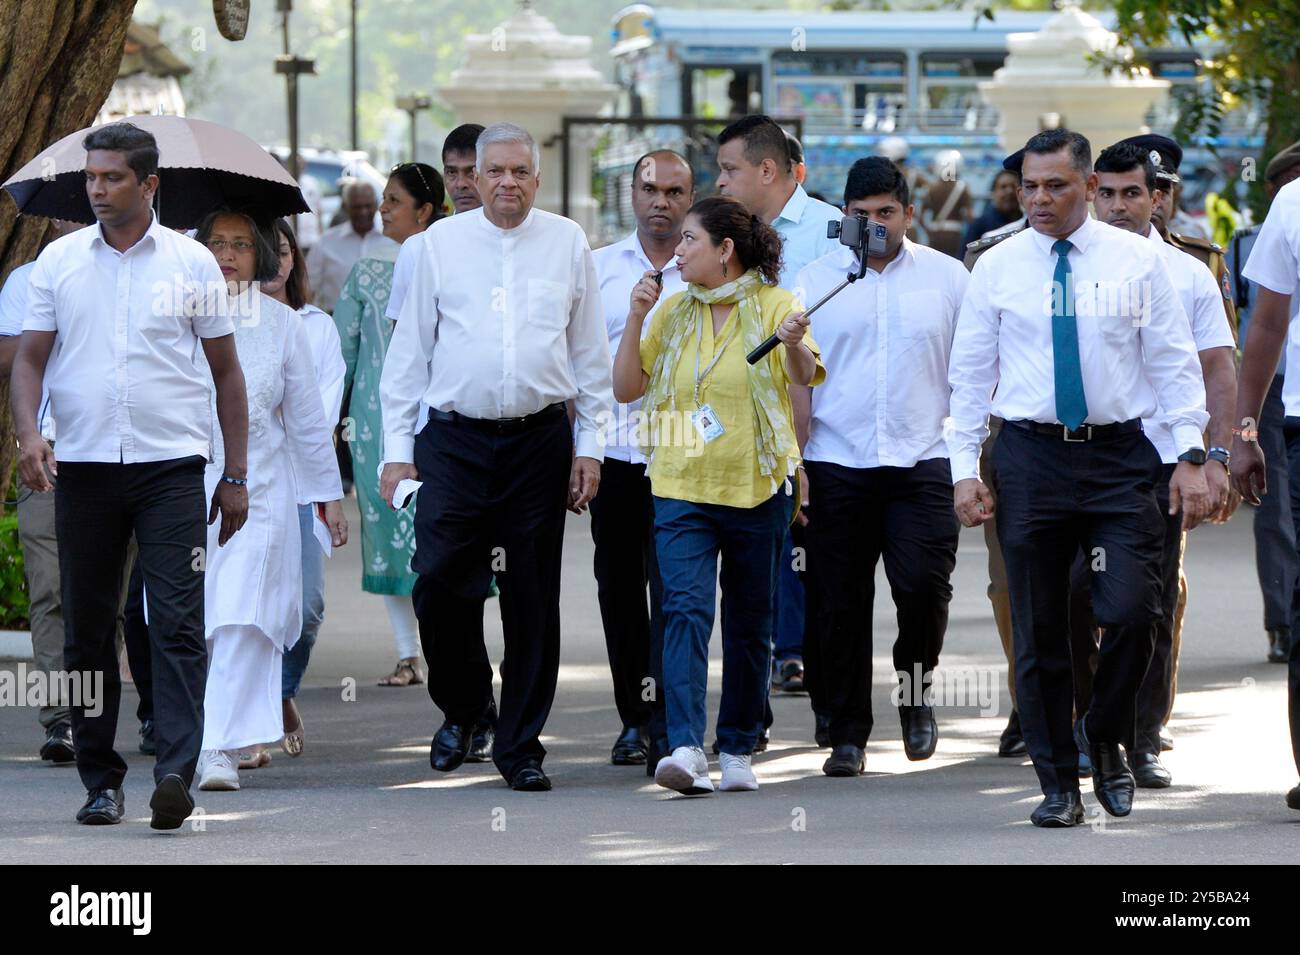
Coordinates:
1126	194
622	516
879	480
1072	333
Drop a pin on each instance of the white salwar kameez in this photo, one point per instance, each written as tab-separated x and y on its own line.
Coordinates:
253	585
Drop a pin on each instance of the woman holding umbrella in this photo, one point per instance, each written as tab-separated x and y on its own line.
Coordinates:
253	593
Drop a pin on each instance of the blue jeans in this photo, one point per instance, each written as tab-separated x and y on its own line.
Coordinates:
313	605
689	538
789	608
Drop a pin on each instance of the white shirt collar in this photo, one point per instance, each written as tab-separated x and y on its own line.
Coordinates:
151	233
503	233
794	206
631	245
1079	238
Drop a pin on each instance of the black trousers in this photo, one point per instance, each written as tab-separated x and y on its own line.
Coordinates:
627	570
97	507
1292	433
1157	686
135	631
1275	541
492	504
1055	497
857	516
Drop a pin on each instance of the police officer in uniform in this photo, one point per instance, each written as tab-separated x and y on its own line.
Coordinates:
1276	559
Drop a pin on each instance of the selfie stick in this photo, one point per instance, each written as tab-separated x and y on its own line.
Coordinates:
759	353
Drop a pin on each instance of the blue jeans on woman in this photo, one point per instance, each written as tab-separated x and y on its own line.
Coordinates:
313	605
688	539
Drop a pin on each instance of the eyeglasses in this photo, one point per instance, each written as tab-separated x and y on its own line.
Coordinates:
239	245
418	171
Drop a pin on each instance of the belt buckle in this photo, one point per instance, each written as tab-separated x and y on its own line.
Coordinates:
1065	434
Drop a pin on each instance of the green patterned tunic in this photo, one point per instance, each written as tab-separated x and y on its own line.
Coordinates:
387	536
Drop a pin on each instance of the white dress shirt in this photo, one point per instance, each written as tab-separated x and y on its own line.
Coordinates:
331	259
802	224
1275	264
1202	302
326	359
13	309
1135	345
499	323
885	342
403	267
619	267
125	386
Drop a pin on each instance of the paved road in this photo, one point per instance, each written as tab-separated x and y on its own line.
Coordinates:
363	792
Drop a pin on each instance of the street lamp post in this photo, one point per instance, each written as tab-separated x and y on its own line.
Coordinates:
412	104
291	67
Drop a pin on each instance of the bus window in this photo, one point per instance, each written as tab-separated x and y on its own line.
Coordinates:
950	96
835	91
722	91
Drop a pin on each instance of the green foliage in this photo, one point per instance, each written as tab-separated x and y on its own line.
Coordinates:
13	581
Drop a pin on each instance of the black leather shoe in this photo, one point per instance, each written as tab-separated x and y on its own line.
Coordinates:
529	778
920	731
1058	811
449	747
1279	644
822	731
104	807
790	675
655	751
148	745
845	760
630	748
171	803
1085	765
1012	741
1112	781
1149	772
485	734
1293	797
57	747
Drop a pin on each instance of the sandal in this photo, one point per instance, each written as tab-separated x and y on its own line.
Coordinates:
254	758
407	674
295	739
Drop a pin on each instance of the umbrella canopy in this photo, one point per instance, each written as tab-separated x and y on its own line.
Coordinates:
202	166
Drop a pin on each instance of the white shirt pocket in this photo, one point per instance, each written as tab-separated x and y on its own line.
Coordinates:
548	304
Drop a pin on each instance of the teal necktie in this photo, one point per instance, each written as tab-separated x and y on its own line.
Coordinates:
1071	407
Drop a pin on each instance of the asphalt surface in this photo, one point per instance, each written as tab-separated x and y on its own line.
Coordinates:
364	792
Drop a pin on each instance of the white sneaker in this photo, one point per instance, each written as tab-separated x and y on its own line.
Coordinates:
217	770
686	771
737	776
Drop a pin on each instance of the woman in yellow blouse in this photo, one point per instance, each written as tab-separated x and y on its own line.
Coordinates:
720	438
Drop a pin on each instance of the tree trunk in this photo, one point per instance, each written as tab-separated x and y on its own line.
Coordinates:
58	60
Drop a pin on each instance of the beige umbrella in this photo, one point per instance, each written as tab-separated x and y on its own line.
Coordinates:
202	166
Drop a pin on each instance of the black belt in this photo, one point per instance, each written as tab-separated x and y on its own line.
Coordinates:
500	426
1087	432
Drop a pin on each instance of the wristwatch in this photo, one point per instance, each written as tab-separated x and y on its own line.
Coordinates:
1194	456
1222	455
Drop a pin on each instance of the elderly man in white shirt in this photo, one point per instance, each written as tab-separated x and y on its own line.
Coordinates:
756	167
879	481
1274	268
130	303
622	517
342	246
1072	333
1127	188
501	327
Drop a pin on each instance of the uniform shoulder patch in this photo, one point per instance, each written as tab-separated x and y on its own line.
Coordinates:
1194	242
977	248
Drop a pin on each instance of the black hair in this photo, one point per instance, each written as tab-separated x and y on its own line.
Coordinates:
764	139
424	183
462	139
758	245
636	167
795	147
875	176
1125	157
296	288
999	174
266	245
1054	140
139	145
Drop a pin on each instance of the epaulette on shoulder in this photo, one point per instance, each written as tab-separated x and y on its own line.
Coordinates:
979	245
1195	242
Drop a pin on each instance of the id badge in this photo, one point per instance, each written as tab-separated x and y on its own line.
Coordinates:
707	423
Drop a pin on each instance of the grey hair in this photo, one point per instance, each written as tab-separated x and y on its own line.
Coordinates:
506	133
351	185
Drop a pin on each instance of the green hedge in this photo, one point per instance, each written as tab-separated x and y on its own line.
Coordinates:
13	581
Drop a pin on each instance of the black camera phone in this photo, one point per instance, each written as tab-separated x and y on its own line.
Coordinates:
859	232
